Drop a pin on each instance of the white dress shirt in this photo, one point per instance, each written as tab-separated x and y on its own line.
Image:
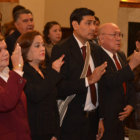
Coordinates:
111	56
5	73
88	104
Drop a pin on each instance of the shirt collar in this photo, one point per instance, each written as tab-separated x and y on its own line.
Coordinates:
5	73
109	53
79	42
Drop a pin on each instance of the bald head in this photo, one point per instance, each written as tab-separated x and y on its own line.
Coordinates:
105	28
110	37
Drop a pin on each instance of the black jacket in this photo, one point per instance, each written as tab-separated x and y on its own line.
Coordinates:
112	96
41	101
10	41
72	84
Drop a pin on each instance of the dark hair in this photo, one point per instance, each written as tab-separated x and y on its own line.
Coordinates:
17	8
97	19
77	15
138	36
25	41
47	28
19	12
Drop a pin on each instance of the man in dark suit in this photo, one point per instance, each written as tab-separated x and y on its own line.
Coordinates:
97	24
81	119
115	87
23	20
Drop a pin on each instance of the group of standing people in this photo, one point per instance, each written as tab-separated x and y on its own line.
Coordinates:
94	82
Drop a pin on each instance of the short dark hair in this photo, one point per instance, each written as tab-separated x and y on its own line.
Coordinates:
97	19
46	30
25	41
19	12
138	36
77	15
17	8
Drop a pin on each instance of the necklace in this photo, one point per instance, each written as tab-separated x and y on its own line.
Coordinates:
40	73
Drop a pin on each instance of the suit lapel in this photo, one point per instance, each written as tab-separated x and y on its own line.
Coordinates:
76	52
108	59
121	60
93	53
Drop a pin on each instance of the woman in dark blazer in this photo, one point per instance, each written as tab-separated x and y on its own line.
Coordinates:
13	115
40	88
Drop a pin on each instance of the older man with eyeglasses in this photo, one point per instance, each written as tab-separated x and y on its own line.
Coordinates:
116	88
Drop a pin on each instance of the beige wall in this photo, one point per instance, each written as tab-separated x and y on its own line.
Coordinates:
60	10
126	15
37	7
6	10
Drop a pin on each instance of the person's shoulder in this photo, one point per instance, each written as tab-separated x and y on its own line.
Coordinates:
13	36
64	44
65	41
27	68
95	47
121	54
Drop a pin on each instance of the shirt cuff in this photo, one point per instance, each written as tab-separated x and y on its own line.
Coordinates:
101	119
86	82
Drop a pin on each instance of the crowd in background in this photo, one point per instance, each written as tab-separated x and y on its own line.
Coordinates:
79	88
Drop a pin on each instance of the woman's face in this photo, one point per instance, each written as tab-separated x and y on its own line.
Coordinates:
37	50
55	34
4	55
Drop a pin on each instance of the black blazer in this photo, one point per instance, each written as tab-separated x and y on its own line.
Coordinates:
41	101
71	83
112	98
10	41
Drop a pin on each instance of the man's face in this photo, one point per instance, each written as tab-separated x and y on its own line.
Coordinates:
25	23
97	24
84	31
111	38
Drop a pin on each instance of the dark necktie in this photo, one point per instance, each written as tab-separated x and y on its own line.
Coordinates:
119	67
92	86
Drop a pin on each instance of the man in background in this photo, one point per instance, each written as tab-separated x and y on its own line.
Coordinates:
82	116
95	37
23	20
9	27
115	87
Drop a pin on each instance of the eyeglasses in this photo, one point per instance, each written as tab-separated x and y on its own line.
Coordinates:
115	35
